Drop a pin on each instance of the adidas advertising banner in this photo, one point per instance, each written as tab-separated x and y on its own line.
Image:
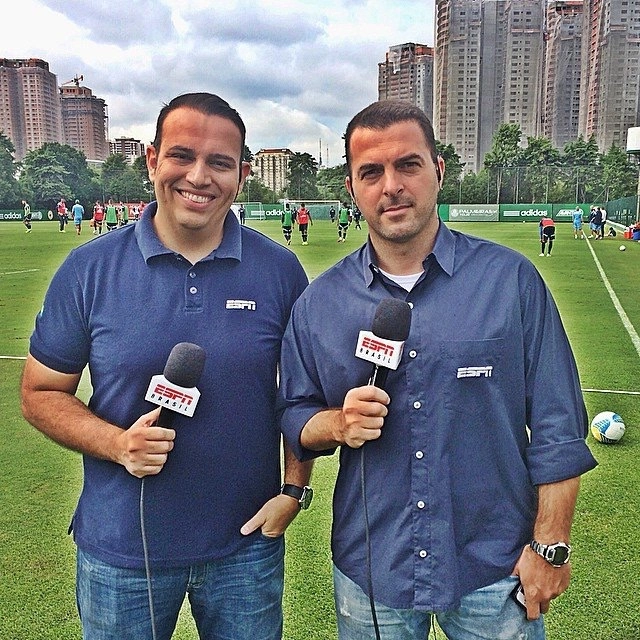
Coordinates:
525	212
9	215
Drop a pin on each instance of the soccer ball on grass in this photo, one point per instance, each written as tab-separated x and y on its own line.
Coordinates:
607	427
623	248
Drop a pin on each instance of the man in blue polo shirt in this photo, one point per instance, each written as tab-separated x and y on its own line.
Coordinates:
470	460
214	508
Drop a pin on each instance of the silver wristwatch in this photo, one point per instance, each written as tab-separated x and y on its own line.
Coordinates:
556	554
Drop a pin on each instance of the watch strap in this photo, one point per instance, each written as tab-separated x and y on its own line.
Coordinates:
302	494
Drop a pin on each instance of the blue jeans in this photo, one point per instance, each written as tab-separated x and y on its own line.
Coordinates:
486	614
238	597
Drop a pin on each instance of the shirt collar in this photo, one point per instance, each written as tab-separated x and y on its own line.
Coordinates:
150	245
443	251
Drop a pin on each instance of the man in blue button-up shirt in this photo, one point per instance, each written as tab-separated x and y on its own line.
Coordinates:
475	448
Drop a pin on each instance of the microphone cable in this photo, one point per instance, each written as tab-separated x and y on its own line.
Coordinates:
367	536
147	564
183	368
392	321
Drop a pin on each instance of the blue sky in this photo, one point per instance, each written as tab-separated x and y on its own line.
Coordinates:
296	71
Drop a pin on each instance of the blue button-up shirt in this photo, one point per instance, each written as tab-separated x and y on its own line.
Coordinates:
485	405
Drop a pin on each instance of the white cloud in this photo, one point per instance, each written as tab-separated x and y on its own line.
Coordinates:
296	70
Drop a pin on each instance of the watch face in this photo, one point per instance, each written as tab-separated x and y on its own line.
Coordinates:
560	555
307	496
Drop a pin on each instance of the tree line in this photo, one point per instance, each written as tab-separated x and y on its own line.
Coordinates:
57	171
512	173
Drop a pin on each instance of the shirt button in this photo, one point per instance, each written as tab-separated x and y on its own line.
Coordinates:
417	404
423	553
193	290
420	504
410	305
412	353
192	274
419	455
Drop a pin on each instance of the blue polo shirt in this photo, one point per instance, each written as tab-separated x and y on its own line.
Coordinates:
119	304
485	405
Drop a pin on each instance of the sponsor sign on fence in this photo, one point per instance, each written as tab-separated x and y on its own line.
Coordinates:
15	215
526	212
473	212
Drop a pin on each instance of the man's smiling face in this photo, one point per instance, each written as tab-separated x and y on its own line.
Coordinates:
197	171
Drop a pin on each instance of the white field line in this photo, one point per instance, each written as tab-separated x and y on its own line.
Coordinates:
633	334
13	273
622	393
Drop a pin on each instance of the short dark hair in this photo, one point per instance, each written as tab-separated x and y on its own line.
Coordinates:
207	103
383	114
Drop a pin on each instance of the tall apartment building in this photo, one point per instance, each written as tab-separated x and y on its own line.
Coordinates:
130	148
33	111
85	121
30	112
562	71
610	71
271	166
407	74
489	58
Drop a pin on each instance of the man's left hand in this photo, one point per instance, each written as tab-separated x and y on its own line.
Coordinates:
274	517
541	581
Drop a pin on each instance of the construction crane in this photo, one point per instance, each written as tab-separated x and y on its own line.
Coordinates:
76	80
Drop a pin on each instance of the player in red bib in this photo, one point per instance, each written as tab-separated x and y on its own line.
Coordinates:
61	209
547	235
303	218
98	217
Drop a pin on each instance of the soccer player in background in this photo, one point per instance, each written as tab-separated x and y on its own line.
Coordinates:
547	235
26	220
577	223
303	218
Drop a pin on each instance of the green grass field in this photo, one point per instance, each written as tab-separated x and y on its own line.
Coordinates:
40	481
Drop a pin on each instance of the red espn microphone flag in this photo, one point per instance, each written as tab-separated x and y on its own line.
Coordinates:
175	390
172	396
378	351
382	346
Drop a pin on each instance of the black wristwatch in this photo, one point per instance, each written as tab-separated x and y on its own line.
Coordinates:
556	554
303	495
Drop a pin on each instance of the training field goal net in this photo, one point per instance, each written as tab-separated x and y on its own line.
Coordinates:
253	210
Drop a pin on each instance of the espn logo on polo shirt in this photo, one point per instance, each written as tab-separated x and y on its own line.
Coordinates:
379	351
171	396
475	372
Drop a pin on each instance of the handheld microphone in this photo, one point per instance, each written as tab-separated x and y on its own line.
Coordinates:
383	347
175	390
384	343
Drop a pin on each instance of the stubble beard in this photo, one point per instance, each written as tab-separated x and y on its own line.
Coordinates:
402	233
